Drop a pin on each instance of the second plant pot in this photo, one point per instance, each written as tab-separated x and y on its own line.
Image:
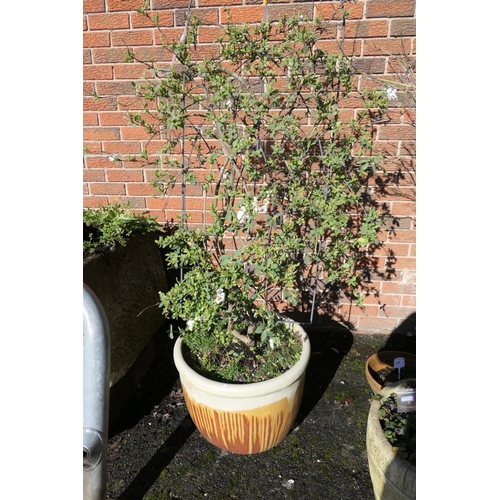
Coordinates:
384	360
244	418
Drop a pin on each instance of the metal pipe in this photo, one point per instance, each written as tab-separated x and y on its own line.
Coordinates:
96	376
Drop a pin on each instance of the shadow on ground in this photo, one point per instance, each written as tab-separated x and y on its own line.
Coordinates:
155	452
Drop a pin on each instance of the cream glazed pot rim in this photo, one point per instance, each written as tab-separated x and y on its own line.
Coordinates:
252	389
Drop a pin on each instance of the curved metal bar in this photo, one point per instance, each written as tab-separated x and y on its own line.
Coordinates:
96	376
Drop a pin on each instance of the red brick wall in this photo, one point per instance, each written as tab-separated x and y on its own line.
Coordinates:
377	34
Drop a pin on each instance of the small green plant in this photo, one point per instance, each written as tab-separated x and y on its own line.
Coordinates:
106	227
399	428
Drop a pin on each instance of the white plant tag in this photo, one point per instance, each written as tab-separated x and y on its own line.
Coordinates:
399	363
407	400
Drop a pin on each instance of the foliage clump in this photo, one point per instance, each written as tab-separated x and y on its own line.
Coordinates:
107	227
399	428
284	179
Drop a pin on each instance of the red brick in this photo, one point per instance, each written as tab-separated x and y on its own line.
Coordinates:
402	236
165	19
93	175
386	47
130	38
390	8
399	288
118	5
366	29
159	214
88	88
396	132
121	175
101	161
403	27
96	39
113	119
115	88
276	12
101	134
396	192
161	203
87	56
395	312
209	35
93	6
140	189
169	4
333	11
409	301
129	71
205	16
352	310
109	56
130	133
98	72
108	21
404	263
101	104
121	148
383	299
399	249
403	208
94	201
90	119
106	188
136	202
128	103
158	53
92	147
217	3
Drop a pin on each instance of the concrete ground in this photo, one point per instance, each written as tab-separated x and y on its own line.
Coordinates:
155	452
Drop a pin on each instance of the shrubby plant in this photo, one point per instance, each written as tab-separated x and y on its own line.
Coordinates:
107	227
257	125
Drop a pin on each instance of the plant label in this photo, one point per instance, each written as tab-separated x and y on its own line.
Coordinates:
399	363
407	400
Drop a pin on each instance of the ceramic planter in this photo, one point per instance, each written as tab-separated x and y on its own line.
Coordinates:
393	477
385	359
244	418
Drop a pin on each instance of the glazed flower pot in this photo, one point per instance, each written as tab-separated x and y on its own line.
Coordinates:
385	359
393	477
244	418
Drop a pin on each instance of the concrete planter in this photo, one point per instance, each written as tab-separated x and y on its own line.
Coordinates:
244	418
127	282
393	477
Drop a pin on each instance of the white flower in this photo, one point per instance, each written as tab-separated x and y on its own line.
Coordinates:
220	297
271	343
392	94
190	324
241	215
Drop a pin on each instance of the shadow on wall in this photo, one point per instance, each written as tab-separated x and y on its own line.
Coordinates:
404	337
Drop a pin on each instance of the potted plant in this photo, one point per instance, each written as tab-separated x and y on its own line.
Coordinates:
391	442
283	205
380	370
